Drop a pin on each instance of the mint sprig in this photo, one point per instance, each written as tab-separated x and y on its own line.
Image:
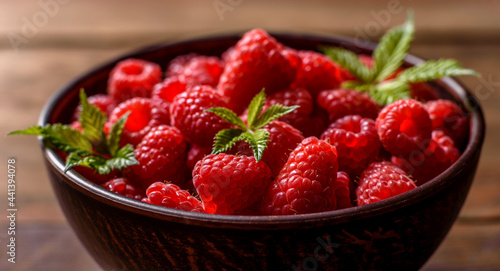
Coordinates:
252	131
388	56
90	148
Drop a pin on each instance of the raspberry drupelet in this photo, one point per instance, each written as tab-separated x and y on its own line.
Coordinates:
171	196
343	102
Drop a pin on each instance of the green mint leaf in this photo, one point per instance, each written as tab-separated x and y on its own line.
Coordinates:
75	159
350	61
228	115
115	134
257	141
92	121
434	69
33	130
225	139
124	158
255	107
392	49
272	113
389	92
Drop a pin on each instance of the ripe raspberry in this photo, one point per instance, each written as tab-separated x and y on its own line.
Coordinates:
189	115
356	141
168	89
171	196
160	154
104	102
317	72
133	78
176	66
257	62
195	154
342	102
404	126
422	91
290	97
382	180
228	184
203	70
425	165
306	182
342	190
124	187
144	115
448	117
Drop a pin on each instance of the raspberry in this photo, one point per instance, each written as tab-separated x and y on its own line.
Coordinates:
342	190
342	102
228	184
356	141
171	196
306	181
104	102
144	115
317	72
160	154
257	62
448	117
310	125
404	126
195	154
168	89
176	66
133	78
290	97
425	165
422	91
189	115
382	180
203	70
124	187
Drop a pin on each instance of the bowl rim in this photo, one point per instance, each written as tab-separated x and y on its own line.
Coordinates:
446	178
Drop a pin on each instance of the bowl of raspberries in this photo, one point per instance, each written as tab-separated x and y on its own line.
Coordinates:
262	151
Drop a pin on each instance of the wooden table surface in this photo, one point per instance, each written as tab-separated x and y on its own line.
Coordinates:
46	43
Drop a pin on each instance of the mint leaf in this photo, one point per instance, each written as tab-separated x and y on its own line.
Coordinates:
255	107
92	121
273	112
33	130
225	139
350	61
124	157
74	159
434	69
389	92
257	141
228	115
115	134
392	49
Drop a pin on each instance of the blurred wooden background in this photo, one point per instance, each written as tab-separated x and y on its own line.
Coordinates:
46	43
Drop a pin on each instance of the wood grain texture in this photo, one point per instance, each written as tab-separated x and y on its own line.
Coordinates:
83	34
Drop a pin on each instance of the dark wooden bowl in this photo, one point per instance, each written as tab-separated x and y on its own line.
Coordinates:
400	233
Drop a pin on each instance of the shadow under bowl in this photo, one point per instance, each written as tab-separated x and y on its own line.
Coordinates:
399	233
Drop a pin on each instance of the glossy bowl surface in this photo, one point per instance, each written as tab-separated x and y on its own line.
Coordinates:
400	233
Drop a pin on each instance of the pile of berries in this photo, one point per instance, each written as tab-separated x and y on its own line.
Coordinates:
338	149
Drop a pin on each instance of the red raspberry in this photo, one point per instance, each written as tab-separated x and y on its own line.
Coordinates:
203	70
168	89
104	102
176	66
422	91
124	187
317	72
133	78
306	182
189	115
160	154
228	184
171	196
425	165
342	102
382	180
449	117
342	190
256	63
356	141
144	115
195	154
404	126
290	97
